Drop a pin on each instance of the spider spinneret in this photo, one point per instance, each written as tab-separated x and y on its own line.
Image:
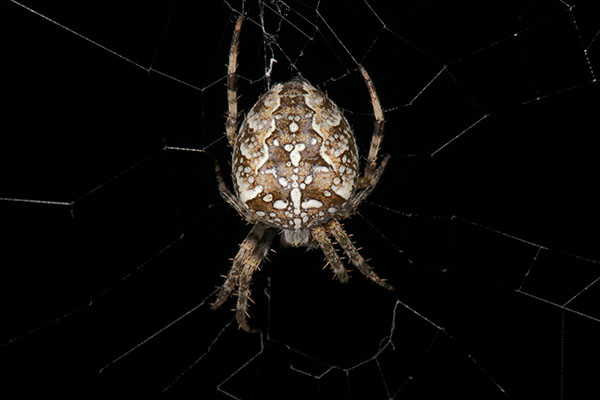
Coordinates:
295	171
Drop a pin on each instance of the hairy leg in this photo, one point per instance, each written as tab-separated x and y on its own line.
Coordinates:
340	235
232	106
321	237
352	204
248	259
372	172
376	139
231	199
259	254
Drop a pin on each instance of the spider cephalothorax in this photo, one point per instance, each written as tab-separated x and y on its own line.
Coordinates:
295	171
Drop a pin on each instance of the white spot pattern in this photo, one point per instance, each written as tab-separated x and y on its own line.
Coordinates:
296	147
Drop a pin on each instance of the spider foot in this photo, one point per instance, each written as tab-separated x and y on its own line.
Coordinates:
341	274
218	301
241	317
373	174
225	292
381	282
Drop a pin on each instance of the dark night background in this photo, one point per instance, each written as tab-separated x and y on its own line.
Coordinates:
491	239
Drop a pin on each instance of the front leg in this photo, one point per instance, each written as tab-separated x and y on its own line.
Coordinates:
320	236
233	200
366	186
232	98
340	235
377	137
247	260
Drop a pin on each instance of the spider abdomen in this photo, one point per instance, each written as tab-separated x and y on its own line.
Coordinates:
295	161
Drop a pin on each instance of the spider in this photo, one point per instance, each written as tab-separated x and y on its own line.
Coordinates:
295	172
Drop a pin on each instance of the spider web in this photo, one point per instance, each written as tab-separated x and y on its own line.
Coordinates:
115	237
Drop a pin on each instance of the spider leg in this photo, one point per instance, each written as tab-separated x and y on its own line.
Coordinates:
247	260
250	266
340	235
244	253
232	106
231	199
352	204
376	139
372	172
320	236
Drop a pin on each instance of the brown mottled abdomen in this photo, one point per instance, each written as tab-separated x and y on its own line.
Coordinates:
295	160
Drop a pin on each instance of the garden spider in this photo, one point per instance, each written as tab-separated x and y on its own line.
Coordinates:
295	171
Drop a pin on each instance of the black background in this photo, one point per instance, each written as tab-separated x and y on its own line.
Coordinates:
490	239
